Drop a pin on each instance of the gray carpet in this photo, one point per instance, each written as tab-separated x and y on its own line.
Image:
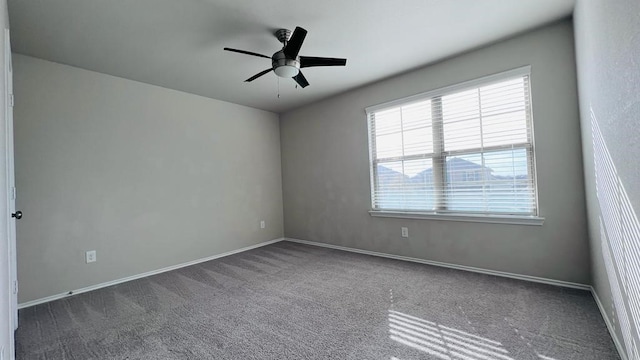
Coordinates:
292	301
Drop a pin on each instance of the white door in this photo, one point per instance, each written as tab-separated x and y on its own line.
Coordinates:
11	183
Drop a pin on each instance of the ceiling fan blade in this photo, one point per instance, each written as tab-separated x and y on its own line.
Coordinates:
301	80
247	53
258	75
309	61
295	42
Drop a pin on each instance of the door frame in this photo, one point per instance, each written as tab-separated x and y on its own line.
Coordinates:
9	178
11	186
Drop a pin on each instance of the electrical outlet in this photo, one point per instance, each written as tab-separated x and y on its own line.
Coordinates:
404	232
90	256
262	224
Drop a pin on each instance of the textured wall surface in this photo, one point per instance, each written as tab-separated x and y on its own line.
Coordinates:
326	168
148	177
608	57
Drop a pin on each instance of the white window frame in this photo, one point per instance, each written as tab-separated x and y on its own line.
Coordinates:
519	219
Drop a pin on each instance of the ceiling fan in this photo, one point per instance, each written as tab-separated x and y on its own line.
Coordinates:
286	63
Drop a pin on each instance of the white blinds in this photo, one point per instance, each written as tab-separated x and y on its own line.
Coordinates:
462	150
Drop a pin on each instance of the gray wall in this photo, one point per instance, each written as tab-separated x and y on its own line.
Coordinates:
608	54
326	168
148	177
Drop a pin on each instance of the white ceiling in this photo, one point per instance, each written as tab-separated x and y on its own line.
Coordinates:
178	43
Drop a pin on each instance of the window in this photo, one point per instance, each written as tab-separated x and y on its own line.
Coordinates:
466	149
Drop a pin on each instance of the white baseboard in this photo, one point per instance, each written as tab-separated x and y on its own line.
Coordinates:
612	330
451	266
138	276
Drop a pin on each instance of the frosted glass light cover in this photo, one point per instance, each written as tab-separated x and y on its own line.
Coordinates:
287	71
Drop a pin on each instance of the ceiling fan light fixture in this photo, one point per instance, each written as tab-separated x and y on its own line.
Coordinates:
286	63
286	71
283	67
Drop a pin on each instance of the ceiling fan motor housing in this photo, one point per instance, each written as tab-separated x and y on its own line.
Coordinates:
284	67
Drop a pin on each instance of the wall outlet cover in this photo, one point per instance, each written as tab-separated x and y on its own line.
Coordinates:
405	232
90	256
262	224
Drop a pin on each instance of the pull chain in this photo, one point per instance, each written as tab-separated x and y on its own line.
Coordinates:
278	86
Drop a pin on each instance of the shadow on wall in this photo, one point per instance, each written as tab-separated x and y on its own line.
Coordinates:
620	240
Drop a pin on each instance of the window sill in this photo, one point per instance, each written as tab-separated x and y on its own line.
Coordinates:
491	219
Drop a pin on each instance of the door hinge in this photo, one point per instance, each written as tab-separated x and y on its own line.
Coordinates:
13	193
11	100
15	286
